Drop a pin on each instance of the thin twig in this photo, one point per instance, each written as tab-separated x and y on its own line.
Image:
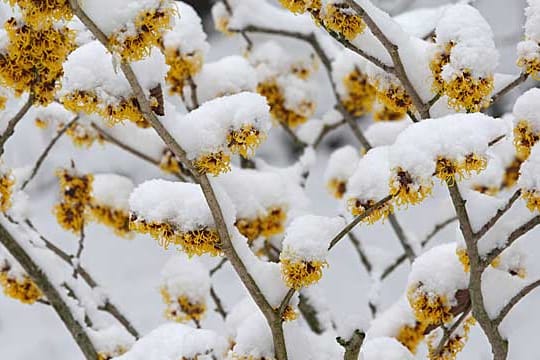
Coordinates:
448	332
518	81
285	301
80	249
47	150
360	251
10	129
217	301
515	299
401	237
500	212
218	266
353	345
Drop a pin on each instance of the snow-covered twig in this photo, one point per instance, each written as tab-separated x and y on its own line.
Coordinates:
51	293
10	129
353	345
448	332
514	300
518	81
47	150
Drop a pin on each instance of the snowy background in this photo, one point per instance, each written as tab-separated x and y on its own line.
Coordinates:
129	270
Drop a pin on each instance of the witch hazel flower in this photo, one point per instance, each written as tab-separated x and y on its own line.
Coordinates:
92	86
133	27
185	285
36	13
16	284
454	345
110	202
390	93
185	48
529	180
110	341
529	49
7	188
352	83
434	283
341	166
305	248
75	196
338	17
174	213
210	134
464	65
527	122
369	184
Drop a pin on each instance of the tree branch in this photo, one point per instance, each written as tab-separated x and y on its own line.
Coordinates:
10	129
353	345
518	81
217	301
515	299
491	222
51	293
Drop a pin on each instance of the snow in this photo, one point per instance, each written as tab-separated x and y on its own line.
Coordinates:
112	190
176	341
385	132
111	339
187	35
389	322
371	177
342	163
527	107
532	24
529	172
183	276
438	271
181	204
384	348
308	237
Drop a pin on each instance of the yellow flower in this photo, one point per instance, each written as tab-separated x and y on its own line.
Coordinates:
7	182
464	259
442	58
532	198
289	314
251	229
524	138
301	6
466	92
36	13
107	355
276	101
182	309
3	101
511	173
213	163
135	44
245	140
405	190
116	219
222	25
24	290
342	19
384	113
75	197
394	97
411	336
530	66
33	59
429	309
270	224
182	67
337	187
300	273
454	345
169	163
82	136
357	207
360	93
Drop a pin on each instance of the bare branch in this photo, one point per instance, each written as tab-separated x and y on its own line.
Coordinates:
518	81
515	299
360	251
353	345
10	129
491	222
217	301
402	238
47	150
448	332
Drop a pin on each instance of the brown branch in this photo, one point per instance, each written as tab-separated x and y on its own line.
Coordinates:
402	238
218	266
47	150
10	129
309	313
514	300
217	301
193	92
227	246
51	293
393	51
518	81
448	332
360	251
500	212
353	345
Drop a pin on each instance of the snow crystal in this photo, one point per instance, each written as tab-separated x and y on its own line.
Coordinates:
389	322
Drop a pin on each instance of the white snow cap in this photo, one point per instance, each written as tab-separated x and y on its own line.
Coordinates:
90	68
390	322
112	190
474	47
529	172
253	338
182	276
527	107
342	163
532	24
385	132
227	76
187	35
345	63
111	339
205	129
176	341
384	348
308	237
439	272
181	204
371	177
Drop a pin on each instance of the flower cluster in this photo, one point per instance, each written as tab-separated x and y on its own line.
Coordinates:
75	191
174	213
301	6
529	49
450	170
412	336
37	13
429	308
453	345
185	286
529	181
7	182
32	58
169	163
270	224
340	18
527	122
360	93
135	40
409	189
19	287
465	60
235	124
304	249
184	47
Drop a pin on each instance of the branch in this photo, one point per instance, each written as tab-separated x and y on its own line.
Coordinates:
47	150
357	220
310	314
219	306
10	129
515	299
500	212
360	251
226	243
448	332
218	266
518	81
352	346
402	238
51	293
